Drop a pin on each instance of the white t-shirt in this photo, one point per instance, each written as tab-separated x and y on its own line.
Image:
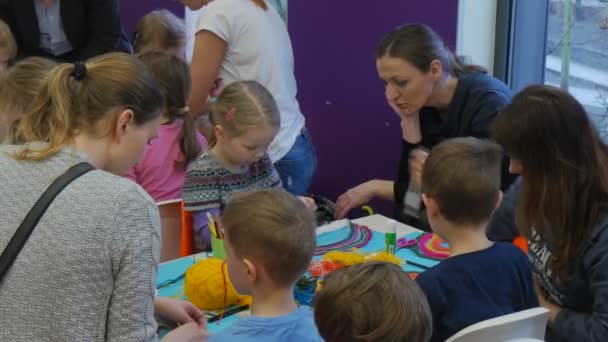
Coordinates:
259	49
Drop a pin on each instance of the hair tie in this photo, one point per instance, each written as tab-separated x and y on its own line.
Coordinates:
80	71
213	99
230	114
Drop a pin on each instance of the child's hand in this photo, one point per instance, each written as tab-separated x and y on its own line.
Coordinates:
179	311
416	163
310	203
190	332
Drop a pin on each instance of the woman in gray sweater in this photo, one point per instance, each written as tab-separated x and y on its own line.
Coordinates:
88	270
561	208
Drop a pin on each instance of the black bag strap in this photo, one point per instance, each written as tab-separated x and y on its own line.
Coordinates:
31	220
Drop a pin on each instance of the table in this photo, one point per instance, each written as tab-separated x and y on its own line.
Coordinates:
172	272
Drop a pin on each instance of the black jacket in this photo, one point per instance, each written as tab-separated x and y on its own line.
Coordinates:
92	27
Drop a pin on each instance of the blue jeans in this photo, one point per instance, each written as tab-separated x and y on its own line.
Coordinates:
298	167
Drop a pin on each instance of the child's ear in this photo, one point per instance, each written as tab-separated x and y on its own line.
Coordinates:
498	200
432	208
220	135
252	271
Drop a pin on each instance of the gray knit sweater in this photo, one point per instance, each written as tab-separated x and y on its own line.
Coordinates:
87	272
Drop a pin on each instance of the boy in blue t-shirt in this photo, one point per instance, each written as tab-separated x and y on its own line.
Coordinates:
481	279
270	239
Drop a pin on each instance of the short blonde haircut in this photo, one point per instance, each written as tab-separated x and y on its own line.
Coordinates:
273	228
372	301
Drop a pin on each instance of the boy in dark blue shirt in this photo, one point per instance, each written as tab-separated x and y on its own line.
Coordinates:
481	279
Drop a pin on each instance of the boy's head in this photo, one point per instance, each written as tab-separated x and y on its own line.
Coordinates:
372	301
461	182
18	87
8	46
270	239
160	30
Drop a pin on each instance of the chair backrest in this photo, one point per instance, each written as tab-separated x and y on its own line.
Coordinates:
171	231
527	324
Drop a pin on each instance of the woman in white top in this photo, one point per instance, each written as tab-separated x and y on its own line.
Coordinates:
239	40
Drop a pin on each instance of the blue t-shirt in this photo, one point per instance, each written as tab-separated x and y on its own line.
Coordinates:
470	288
297	326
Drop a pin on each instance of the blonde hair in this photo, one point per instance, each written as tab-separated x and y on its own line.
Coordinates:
372	301
242	106
274	228
8	46
78	97
173	76
18	86
159	30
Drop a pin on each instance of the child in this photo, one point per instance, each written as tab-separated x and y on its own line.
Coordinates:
162	169
481	279
270	239
18	87
246	119
160	30
8	46
372	301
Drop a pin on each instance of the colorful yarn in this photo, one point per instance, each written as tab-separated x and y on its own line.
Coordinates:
359	237
413	275
304	290
323	267
430	246
383	256
208	286
345	258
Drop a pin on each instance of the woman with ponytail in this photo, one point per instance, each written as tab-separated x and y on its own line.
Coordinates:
246	40
437	97
87	270
162	169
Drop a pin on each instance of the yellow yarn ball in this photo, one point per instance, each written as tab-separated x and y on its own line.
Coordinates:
204	286
392	258
344	258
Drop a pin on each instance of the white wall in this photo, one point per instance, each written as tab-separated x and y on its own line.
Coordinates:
476	31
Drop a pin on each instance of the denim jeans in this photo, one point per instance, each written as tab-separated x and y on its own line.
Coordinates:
298	167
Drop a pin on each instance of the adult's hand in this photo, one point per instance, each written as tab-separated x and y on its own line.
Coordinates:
354	197
191	332
416	165
178	311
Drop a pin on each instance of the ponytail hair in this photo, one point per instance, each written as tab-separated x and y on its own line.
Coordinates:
173	76
419	45
261	4
241	106
85	97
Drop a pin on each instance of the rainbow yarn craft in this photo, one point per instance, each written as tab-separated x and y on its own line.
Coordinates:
345	234
431	246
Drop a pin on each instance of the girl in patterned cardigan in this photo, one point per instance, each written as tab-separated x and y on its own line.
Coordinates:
246	120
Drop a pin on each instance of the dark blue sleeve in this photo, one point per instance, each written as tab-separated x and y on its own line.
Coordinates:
502	227
437	302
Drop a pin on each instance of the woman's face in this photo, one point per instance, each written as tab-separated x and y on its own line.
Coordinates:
194	4
407	88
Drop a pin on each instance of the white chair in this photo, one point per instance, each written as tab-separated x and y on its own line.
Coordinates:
170	226
527	325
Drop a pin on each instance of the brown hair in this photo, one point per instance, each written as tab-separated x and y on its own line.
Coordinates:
253	106
159	30
8	46
372	301
274	228
463	176
173	77
261	4
18	86
419	45
80	97
565	170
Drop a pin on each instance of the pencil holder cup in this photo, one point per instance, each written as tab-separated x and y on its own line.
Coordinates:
217	248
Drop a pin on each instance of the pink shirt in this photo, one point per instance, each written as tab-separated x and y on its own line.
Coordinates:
159	171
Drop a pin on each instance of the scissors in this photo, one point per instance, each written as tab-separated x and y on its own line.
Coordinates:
405	242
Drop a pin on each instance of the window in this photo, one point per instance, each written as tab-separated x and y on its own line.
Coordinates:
576	53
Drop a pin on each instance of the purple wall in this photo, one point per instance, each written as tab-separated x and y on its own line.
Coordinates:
132	10
356	134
